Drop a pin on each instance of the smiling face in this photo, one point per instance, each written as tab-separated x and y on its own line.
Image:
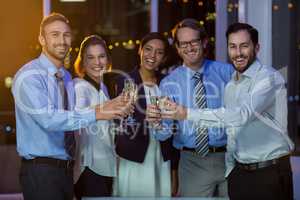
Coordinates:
95	61
56	41
189	47
152	54
241	50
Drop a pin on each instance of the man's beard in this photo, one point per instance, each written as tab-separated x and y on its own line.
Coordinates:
249	63
58	55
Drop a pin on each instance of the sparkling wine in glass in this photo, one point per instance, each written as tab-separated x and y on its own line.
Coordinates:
130	89
154	100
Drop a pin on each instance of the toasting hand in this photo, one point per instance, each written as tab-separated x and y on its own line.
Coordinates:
116	108
171	110
153	115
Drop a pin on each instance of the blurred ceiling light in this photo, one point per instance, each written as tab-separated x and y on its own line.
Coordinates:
8	82
129	45
72	0
130	42
8	129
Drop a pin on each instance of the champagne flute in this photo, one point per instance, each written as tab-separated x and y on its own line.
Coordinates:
154	100
162	102
130	89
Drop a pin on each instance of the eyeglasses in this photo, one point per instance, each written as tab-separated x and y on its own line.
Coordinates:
194	42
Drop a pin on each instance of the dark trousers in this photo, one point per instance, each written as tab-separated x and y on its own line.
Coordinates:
91	184
274	182
46	182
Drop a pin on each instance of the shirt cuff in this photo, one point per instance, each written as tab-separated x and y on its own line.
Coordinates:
90	116
192	114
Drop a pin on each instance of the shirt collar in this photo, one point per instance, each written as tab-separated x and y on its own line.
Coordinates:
91	81
251	71
201	70
49	66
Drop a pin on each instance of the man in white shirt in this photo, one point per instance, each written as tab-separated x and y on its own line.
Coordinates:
255	115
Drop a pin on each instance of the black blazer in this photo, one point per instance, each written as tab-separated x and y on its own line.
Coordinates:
133	143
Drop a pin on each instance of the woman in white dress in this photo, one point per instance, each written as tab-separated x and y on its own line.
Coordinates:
144	163
96	142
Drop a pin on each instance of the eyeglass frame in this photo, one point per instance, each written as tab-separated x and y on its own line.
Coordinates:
193	43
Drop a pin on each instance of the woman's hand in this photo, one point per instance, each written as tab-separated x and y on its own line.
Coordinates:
116	108
153	114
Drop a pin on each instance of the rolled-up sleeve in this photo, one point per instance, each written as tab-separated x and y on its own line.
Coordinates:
259	98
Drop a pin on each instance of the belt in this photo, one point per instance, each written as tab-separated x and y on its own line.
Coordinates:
263	164
211	149
67	164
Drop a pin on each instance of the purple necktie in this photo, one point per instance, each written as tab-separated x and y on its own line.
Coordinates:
69	140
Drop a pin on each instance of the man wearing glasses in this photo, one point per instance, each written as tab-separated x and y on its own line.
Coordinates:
197	83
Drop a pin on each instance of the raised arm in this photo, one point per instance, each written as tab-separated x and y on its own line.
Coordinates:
264	93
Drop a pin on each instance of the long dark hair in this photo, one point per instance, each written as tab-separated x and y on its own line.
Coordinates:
159	36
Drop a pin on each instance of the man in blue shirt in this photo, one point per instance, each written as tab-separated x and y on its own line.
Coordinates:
255	114
199	174
44	98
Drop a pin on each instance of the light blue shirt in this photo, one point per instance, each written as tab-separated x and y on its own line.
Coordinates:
40	117
179	87
255	115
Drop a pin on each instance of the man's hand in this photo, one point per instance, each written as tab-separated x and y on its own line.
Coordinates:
116	108
171	110
153	114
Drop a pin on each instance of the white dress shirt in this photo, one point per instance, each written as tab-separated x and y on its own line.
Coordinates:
255	115
97	140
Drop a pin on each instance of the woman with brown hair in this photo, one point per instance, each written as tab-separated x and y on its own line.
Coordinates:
96	149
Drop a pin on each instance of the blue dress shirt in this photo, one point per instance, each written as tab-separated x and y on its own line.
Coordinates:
40	117
179	86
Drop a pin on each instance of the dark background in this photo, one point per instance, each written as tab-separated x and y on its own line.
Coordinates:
119	22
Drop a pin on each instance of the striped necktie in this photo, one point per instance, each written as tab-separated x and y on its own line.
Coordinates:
201	140
69	139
